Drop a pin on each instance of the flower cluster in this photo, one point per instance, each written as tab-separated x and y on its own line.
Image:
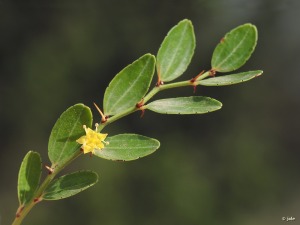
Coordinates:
92	140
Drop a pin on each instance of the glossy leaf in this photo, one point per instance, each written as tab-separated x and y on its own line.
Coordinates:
126	147
129	86
235	48
185	105
29	177
70	184
68	128
230	79
176	51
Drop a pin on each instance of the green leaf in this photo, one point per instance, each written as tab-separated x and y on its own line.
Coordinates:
176	51
129	86
235	48
68	128
29	177
185	105
70	184
126	147
230	79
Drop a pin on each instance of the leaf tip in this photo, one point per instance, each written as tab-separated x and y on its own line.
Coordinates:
253	27
186	21
260	72
149	55
221	105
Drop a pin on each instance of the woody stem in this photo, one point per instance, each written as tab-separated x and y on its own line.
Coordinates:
151	94
24	210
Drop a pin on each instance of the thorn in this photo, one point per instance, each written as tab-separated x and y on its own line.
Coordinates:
195	88
103	117
140	107
194	79
50	170
143	113
140	104
158	73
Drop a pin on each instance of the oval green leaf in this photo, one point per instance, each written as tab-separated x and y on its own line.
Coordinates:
235	48
126	147
185	105
70	184
129	86
176	51
68	128
29	177
230	79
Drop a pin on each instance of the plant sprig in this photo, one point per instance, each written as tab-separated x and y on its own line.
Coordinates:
127	93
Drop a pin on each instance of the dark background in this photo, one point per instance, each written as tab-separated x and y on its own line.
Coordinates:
237	166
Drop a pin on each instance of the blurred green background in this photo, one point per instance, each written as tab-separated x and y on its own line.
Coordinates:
236	166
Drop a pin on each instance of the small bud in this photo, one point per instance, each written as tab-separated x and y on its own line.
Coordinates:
212	73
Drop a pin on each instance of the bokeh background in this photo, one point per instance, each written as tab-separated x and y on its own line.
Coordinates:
236	166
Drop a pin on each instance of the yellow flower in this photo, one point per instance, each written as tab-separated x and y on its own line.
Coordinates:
92	140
